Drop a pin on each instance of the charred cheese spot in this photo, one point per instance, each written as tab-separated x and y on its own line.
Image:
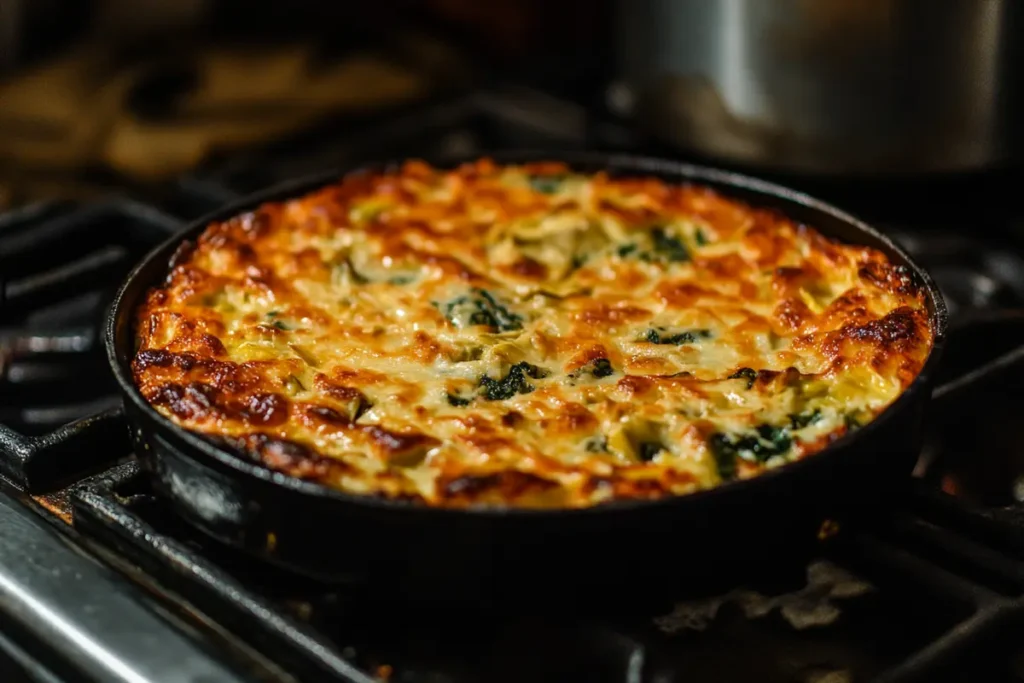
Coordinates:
524	336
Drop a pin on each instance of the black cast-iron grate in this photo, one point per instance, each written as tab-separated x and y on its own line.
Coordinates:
59	265
978	588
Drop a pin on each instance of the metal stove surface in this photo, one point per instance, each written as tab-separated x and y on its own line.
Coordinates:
934	595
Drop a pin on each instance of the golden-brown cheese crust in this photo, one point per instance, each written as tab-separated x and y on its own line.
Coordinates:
524	336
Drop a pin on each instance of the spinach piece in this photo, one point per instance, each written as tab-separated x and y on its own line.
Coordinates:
724	453
274	322
599	367
578	260
658	337
401	280
669	248
766	442
699	238
481	308
596	444
458	401
778	438
803	419
626	249
664	249
515	382
648	450
602	367
851	422
546	184
749	374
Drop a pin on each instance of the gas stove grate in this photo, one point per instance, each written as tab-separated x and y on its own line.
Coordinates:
59	266
980	587
105	508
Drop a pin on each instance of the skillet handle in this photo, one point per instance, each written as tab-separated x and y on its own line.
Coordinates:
981	349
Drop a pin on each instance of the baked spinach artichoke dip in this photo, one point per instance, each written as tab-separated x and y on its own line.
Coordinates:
524	336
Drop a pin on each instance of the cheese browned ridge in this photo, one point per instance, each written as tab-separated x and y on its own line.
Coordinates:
525	336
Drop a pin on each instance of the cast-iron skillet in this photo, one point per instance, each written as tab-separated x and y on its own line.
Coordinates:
627	548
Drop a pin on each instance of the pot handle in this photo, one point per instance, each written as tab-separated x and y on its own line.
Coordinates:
980	349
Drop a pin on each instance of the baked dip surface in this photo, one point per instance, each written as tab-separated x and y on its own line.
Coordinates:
525	336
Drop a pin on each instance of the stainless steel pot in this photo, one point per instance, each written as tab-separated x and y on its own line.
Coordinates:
827	86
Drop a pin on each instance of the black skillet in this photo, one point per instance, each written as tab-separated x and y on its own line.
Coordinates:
628	549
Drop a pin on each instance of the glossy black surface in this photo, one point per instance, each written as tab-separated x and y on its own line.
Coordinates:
96	625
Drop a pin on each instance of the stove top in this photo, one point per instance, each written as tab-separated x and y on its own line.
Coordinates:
100	581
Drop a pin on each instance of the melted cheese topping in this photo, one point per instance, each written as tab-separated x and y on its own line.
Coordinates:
525	336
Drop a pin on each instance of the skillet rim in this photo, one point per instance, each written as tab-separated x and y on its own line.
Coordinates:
594	161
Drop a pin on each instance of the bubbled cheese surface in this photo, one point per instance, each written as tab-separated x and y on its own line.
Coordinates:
525	336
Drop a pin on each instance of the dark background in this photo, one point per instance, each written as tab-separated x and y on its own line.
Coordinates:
102	93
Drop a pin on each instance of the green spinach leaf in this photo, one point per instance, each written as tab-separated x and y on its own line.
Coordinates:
481	308
515	382
660	336
749	374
